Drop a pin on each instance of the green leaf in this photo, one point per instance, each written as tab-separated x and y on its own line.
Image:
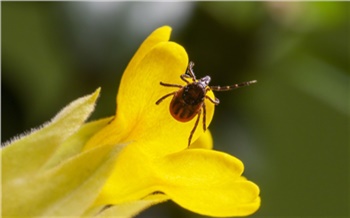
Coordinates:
66	190
75	143
26	154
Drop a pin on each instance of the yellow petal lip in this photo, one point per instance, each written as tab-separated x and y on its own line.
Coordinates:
201	180
197	163
208	182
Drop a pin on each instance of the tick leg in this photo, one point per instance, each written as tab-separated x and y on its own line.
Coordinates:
171	85
184	77
164	97
194	128
190	71
231	87
216	101
204	117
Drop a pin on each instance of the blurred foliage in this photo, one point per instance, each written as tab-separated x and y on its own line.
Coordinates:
291	129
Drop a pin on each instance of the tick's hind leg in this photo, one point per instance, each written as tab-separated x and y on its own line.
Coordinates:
204	117
194	128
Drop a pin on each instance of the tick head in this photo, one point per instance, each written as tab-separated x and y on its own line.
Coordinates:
204	82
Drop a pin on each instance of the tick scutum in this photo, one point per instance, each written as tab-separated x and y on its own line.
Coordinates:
187	102
193	94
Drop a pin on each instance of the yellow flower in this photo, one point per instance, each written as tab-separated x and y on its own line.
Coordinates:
156	158
120	165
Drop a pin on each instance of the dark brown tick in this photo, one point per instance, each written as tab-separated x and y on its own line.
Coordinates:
188	101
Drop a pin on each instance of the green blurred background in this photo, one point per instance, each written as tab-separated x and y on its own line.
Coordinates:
291	129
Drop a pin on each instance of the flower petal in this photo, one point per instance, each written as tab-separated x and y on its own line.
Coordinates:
148	121
139	118
161	34
28	153
211	176
124	184
208	182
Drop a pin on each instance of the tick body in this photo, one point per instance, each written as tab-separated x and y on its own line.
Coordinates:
189	100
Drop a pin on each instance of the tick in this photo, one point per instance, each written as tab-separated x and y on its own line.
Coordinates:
189	100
